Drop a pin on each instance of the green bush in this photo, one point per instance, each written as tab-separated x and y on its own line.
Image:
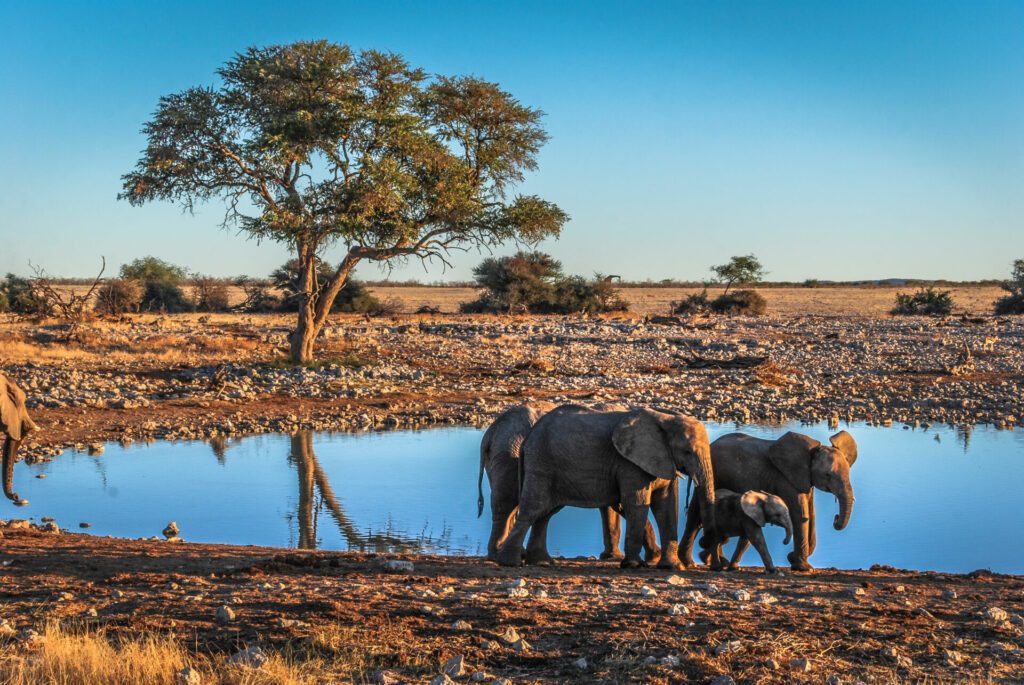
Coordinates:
118	296
924	302
354	296
696	303
22	298
160	296
533	282
740	303
150	269
1013	303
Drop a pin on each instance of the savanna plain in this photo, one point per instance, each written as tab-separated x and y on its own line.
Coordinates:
83	608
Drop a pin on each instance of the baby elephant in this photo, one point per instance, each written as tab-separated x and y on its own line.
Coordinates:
743	516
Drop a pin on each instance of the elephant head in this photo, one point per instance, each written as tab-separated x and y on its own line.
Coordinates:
807	463
16	425
765	508
665	444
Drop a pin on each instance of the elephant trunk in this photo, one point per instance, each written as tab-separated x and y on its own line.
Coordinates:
845	497
706	484
787	523
10	452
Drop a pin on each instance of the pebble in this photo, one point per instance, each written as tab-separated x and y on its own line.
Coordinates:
678	610
462	625
455	667
801	665
723	680
724	647
581	663
510	636
188	676
646	591
382	677
251	657
996	615
442	679
399	566
676	580
741	596
224	615
478	676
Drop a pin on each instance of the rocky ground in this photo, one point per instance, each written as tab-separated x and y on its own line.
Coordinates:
409	619
188	377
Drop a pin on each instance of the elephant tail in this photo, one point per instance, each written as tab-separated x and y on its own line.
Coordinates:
484	449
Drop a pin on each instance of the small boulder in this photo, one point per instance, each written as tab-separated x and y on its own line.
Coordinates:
455	667
647	591
678	610
250	657
462	625
581	663
442	680
188	676
224	615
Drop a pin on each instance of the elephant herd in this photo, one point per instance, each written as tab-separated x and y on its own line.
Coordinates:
539	458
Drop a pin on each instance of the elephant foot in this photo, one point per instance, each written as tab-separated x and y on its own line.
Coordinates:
688	563
705	557
798	563
668	564
732	567
544	559
614	554
509	557
772	571
632	563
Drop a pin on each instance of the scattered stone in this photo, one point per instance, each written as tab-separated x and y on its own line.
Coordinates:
171	531
188	676
503	681
672	661
96	449
29	636
50	527
766	598
224	615
949	594
517	583
521	645
741	596
510	636
91	612
581	663
899	588
996	615
399	566
518	592
952	657
678	610
462	625
250	657
65	597
857	591
772	665
676	580
382	677
478	676
801	665
724	647
723	680
647	591
455	667
6	629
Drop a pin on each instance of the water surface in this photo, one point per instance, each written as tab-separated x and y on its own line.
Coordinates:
936	499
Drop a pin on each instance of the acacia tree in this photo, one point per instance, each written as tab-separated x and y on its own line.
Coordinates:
312	144
742	269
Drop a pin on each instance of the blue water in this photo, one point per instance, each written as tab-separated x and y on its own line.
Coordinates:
937	499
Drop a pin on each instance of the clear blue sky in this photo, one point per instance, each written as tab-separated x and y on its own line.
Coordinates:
834	140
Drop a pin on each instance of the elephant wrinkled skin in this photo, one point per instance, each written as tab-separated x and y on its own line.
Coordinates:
629	460
500	451
743	516
16	425
790	467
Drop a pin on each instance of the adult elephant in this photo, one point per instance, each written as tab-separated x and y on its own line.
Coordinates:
500	451
16	425
627	460
790	467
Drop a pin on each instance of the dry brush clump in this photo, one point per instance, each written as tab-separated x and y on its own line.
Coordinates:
925	302
736	303
1013	303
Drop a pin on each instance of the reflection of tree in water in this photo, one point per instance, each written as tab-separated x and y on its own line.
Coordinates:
964	435
313	479
219	445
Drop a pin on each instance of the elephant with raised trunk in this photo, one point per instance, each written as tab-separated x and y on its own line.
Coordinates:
16	425
500	451
627	460
790	467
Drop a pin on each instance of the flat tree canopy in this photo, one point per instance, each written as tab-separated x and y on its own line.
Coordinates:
312	144
741	269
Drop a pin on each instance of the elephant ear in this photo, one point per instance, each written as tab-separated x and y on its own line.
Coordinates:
11	398
639	438
845	443
791	454
752	503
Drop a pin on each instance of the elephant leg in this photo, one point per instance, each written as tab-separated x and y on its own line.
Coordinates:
665	507
757	539
511	551
737	556
712	555
636	518
502	519
799	514
812	535
652	552
611	532
689	534
537	547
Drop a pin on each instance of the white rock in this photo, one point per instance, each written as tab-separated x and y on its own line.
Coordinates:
521	645
250	657
672	661
188	676
676	580
455	667
224	615
996	615
741	596
581	663
678	610
399	566
510	636
724	647
462	625
647	591
518	592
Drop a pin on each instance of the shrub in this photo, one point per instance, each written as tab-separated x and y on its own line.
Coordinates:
696	303
354	296
23	298
924	301
211	295
258	297
740	303
119	296
150	269
1014	302
740	271
5	306
160	296
533	282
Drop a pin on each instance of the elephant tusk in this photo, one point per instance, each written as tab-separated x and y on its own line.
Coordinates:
680	474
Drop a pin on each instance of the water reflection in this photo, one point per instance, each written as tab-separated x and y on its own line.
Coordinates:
918	494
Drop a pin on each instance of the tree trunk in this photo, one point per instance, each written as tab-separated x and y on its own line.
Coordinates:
303	337
315	302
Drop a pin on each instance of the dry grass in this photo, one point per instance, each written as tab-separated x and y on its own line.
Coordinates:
66	656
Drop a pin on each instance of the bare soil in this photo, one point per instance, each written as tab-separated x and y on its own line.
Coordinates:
882	625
